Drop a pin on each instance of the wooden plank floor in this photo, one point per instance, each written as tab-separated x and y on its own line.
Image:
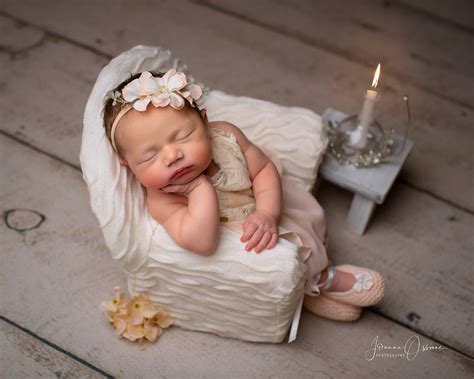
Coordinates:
37	358
65	272
420	238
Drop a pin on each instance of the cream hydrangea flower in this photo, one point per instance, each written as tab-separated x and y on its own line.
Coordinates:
119	301
163	319
141	307
134	332
120	322
140	319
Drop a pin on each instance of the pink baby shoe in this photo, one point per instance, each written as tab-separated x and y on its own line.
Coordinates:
367	290
319	304
323	306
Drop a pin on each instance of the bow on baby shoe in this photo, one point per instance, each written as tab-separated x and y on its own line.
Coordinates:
368	289
363	281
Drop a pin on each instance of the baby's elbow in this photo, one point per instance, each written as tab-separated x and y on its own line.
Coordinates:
210	242
214	247
207	247
200	244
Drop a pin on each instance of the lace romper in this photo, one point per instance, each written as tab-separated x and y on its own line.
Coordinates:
302	220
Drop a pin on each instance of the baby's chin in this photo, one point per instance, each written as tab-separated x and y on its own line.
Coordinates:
185	179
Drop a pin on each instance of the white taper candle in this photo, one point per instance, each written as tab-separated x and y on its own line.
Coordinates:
358	137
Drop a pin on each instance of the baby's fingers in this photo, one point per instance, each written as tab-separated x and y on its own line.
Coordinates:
248	232
273	241
257	236
263	242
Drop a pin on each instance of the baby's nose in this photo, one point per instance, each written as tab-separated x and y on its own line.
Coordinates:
173	155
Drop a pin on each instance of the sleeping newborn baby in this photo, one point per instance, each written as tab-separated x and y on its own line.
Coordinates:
169	149
198	175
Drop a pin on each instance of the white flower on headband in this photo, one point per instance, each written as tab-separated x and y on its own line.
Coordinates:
171	89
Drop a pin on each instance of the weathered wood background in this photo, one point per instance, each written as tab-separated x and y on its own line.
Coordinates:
55	268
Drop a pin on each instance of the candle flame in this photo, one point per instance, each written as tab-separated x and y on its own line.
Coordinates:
376	77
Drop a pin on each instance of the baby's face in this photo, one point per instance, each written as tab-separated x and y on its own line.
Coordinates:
161	140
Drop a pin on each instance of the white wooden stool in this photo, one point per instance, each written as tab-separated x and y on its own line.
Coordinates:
370	185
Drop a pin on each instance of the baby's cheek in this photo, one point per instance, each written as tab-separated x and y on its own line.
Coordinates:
202	153
153	179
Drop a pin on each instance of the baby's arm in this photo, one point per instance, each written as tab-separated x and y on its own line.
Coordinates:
265	181
261	227
192	222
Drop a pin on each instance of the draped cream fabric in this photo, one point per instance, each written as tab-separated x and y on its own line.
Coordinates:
231	293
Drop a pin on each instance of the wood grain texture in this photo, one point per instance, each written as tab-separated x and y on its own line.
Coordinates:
456	14
23	356
61	305
420	238
423	248
411	46
67	75
245	58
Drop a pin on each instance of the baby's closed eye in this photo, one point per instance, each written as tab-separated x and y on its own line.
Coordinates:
149	159
181	137
186	136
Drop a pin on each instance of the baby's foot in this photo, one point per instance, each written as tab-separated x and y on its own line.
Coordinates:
342	281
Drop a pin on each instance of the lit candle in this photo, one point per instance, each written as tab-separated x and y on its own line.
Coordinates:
358	137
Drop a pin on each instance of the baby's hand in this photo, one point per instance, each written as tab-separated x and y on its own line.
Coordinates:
262	230
187	187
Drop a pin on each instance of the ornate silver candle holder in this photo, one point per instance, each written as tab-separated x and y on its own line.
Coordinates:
379	147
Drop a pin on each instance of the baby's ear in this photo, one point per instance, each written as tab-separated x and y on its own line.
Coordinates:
123	162
203	113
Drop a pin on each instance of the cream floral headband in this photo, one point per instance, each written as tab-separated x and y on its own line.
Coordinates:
171	89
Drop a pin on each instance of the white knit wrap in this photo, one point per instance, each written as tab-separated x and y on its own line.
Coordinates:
232	293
